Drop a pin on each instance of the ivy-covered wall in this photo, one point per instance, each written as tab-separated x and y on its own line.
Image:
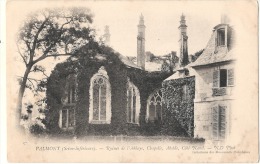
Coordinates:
55	91
178	106
85	67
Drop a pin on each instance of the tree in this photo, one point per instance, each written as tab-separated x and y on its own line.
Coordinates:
196	55
50	33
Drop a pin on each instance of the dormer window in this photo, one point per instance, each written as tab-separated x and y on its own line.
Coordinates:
224	37
221	37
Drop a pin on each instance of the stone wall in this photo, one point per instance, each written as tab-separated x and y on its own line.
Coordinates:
205	100
203	118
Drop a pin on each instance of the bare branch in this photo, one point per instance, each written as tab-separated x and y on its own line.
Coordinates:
39	69
36	38
32	84
36	80
68	22
40	40
43	72
24	60
27	44
56	55
44	55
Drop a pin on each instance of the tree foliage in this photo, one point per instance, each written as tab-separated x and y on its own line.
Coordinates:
196	55
50	33
53	32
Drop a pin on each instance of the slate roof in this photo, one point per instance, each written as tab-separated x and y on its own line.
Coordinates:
128	62
212	55
210	58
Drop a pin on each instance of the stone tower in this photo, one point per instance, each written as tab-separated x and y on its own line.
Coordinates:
184	59
107	36
141	43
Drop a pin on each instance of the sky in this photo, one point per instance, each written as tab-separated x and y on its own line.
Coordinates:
161	19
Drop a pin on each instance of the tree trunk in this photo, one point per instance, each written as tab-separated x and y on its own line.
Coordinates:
20	95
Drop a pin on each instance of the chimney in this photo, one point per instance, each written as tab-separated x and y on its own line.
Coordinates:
141	43
225	19
183	42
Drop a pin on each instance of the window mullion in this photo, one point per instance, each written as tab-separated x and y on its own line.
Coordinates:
132	102
60	120
74	121
155	110
227	78
99	102
127	105
67	119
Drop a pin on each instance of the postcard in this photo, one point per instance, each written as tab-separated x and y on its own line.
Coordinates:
132	81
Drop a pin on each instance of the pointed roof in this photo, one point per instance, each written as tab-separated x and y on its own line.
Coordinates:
141	20
210	55
141	16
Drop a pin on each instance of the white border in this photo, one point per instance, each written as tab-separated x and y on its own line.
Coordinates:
3	115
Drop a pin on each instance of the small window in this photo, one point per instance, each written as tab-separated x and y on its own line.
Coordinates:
67	118
221	37
223	78
186	72
219	122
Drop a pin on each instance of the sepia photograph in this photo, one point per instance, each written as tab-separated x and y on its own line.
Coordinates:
132	81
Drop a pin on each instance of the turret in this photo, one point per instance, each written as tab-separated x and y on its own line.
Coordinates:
141	43
183	41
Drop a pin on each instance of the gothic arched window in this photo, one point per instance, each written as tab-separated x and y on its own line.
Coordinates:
100	98
154	107
133	103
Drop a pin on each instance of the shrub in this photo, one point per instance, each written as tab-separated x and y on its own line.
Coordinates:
37	130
